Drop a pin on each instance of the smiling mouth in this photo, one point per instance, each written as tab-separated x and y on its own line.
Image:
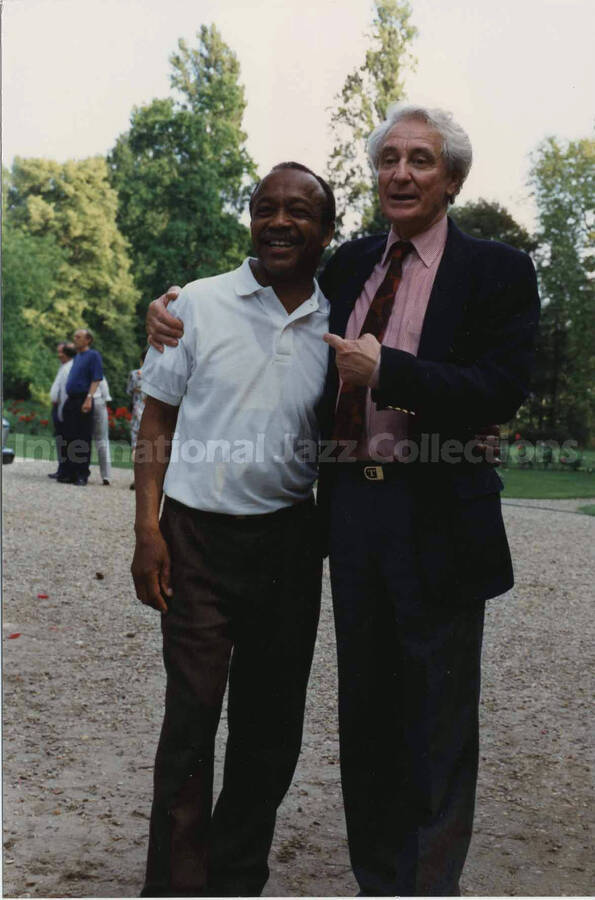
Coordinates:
279	243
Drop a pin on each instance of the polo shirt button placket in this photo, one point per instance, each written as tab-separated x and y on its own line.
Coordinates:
284	346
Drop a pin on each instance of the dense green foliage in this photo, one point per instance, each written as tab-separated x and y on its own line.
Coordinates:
564	188
64	214
30	270
492	222
360	106
561	403
182	173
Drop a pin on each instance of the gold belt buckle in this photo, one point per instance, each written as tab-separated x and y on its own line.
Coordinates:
373	473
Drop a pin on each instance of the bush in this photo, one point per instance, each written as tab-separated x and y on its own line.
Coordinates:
29	417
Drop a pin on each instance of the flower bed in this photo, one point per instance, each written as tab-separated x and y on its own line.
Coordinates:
29	417
119	423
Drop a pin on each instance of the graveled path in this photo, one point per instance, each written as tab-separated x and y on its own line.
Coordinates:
83	688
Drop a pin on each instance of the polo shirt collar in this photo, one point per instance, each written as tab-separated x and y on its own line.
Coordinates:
246	285
245	282
428	244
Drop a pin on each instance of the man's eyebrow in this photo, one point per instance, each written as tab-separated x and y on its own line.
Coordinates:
294	199
416	148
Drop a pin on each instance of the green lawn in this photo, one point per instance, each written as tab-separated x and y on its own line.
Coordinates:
588	510
32	446
535	484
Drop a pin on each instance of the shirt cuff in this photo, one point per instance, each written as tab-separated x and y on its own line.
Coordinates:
373	379
159	394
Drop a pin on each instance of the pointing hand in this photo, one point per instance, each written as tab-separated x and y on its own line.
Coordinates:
356	360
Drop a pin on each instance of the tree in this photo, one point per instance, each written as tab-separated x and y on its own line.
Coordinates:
492	222
30	271
361	105
564	189
182	172
72	206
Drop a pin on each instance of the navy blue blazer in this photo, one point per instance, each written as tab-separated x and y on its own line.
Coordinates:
472	368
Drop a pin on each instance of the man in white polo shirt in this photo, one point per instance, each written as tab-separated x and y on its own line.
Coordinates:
235	563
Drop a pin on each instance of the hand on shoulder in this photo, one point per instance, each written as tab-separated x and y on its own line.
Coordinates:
163	329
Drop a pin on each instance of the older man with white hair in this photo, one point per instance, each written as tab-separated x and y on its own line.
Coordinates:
439	330
432	334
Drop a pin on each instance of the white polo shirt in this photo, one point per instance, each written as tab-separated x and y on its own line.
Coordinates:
247	377
58	389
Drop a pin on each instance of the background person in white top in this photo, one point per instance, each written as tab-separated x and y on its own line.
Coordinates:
235	562
101	397
66	353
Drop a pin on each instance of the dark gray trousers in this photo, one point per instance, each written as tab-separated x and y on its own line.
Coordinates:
409	681
77	430
245	589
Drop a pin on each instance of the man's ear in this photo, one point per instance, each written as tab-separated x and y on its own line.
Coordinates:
452	190
329	235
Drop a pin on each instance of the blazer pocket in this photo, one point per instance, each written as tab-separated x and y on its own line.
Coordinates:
476	480
481	553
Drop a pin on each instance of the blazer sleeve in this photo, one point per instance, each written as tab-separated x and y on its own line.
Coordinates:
327	278
485	376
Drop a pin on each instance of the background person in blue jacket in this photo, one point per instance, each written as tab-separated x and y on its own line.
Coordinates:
83	380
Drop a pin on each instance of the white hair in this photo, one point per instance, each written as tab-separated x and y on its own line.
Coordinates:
456	146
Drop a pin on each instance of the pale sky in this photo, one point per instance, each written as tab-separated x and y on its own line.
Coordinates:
511	71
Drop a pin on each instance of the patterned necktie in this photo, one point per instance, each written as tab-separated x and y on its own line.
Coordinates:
351	409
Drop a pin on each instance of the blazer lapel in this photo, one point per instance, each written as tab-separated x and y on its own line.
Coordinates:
447	299
353	279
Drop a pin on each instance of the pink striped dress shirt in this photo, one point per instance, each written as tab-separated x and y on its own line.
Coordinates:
387	430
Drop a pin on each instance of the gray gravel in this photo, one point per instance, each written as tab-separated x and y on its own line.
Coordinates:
553	505
83	692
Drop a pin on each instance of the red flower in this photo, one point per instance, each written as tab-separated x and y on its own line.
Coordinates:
43	421
121	412
517	437
23	419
